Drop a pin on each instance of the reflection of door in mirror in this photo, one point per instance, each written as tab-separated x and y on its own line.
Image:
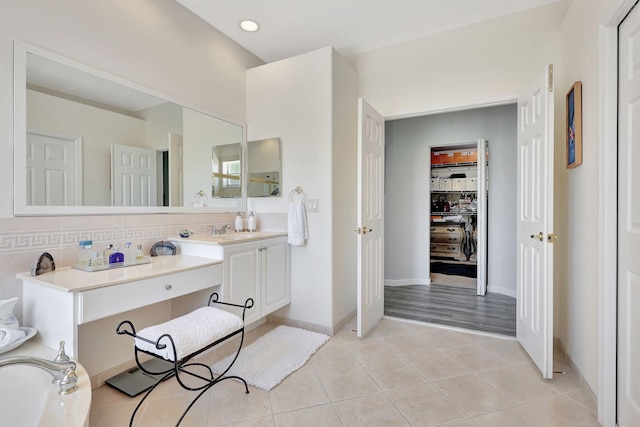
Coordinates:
54	170
176	170
264	168
134	176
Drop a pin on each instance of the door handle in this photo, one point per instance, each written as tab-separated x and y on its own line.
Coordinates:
363	230
539	236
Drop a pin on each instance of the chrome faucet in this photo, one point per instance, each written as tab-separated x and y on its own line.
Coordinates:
222	230
63	372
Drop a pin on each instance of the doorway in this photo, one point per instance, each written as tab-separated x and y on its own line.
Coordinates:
458	220
408	198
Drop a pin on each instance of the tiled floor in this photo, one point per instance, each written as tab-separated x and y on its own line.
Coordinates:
402	374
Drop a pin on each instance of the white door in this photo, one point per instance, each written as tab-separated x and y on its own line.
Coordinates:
483	217
370	244
534	312
628	382
133	176
54	170
176	173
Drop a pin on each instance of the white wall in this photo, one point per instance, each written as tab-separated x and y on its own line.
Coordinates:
345	181
407	191
576	199
146	41
485	62
291	99
309	101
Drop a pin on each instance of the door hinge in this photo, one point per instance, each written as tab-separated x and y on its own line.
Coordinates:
550	77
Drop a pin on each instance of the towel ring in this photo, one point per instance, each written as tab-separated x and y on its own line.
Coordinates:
297	191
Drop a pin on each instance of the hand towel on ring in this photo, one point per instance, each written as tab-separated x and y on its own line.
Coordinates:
297	227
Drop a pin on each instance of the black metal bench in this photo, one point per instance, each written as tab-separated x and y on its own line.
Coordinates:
181	339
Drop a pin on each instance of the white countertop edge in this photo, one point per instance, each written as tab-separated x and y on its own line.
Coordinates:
78	280
230	238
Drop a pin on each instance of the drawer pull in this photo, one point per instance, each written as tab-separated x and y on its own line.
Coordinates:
168	287
453	239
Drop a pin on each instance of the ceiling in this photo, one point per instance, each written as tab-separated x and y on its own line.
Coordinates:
293	27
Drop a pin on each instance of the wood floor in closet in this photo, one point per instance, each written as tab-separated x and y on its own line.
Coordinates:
452	306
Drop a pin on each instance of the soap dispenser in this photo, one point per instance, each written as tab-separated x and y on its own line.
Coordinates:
251	222
239	223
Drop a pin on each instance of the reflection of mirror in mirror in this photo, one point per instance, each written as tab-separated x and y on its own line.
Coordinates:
226	161
96	141
264	168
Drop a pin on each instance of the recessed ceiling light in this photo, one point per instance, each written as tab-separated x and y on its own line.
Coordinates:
249	25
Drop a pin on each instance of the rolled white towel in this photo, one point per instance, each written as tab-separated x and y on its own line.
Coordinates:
9	336
190	332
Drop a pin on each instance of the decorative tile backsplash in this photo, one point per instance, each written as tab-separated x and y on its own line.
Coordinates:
42	240
23	239
17	234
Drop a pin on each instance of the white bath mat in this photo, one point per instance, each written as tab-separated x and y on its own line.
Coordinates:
272	357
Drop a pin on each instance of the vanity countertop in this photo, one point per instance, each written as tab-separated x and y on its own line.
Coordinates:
68	279
230	238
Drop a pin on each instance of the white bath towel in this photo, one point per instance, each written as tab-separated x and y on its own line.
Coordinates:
297	228
9	336
190	332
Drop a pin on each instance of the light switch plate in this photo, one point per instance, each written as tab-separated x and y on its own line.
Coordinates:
313	205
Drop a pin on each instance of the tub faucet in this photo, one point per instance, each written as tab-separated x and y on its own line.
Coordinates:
63	373
222	230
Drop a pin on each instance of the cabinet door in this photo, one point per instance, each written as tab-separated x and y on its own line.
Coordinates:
241	280
275	281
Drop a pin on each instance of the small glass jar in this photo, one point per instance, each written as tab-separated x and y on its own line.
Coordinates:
84	252
97	260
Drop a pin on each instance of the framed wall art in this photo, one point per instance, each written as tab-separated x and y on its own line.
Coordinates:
574	126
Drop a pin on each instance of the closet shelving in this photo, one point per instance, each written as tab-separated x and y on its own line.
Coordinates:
458	210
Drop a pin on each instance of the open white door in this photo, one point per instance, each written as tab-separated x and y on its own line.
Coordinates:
133	176
370	276
483	217
628	368
534	312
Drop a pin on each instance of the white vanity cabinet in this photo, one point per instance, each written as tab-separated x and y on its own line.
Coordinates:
274	272
253	267
241	278
60	302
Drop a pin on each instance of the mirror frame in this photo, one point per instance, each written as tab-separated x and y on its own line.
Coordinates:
20	207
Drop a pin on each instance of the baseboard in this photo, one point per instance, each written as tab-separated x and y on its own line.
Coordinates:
344	321
405	282
559	346
279	320
504	291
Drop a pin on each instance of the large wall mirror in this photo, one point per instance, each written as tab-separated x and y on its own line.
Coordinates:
87	142
264	168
